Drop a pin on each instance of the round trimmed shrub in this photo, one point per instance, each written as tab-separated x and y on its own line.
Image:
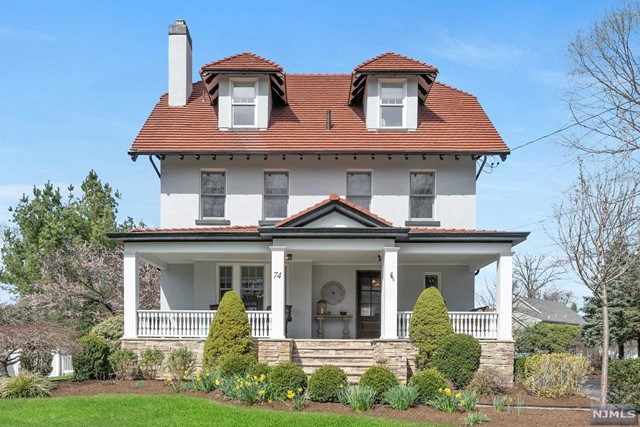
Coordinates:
429	323
380	378
25	384
112	330
37	362
259	369
286	376
624	382
428	382
325	383
458	358
92	361
233	364
230	332
124	363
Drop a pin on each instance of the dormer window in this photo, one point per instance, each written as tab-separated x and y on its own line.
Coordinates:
392	104
243	103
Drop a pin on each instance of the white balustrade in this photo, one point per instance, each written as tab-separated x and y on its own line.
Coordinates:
192	323
481	325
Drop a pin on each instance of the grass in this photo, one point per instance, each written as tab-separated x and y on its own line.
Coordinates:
166	410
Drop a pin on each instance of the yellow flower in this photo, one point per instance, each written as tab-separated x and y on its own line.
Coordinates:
255	378
290	394
403	382
447	391
184	378
198	379
462	402
341	386
458	395
299	389
270	401
262	377
169	380
248	384
261	392
237	387
217	381
440	390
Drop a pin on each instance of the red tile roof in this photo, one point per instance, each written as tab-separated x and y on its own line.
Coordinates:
332	198
451	122
393	62
245	61
236	228
448	230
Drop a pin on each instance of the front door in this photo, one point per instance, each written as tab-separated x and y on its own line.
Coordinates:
368	316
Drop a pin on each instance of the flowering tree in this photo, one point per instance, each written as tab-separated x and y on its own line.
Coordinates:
85	285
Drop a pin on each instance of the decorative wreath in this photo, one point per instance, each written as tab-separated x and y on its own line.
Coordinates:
333	292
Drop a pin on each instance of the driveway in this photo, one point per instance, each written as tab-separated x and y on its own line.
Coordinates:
592	388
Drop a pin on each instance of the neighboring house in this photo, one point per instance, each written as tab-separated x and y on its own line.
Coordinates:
358	189
531	311
60	365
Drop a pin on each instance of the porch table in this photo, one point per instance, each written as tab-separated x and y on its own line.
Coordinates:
345	320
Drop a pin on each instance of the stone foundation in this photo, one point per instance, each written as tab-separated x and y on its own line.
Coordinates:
167	345
499	356
273	352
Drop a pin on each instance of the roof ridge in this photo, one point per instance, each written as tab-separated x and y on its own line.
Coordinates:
396	56
455	88
246	53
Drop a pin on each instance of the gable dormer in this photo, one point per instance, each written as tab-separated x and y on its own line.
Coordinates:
390	88
245	86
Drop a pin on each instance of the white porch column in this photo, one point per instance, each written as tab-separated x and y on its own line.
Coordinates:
504	284
131	293
277	293
389	296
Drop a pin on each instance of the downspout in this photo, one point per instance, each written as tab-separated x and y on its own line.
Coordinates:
156	167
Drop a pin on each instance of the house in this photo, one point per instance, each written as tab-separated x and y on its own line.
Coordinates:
328	202
531	311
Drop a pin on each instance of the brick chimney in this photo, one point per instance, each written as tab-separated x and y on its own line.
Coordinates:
180	84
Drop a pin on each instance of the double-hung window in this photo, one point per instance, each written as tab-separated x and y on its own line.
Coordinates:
225	280
212	194
252	287
359	188
422	194
276	195
243	103
392	104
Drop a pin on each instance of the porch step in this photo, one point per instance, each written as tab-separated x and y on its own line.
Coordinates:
353	356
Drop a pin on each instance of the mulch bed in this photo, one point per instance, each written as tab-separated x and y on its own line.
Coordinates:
530	417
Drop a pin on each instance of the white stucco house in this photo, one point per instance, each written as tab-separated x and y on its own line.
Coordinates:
357	189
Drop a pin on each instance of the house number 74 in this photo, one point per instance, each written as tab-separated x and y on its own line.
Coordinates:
277	275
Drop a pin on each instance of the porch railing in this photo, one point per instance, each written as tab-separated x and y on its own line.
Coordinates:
480	325
192	323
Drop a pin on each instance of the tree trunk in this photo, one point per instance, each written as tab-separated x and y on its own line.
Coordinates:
620	351
4	371
604	376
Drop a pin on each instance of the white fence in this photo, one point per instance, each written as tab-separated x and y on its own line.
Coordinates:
192	323
481	325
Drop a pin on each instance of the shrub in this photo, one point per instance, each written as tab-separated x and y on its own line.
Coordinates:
230	332
26	384
92	361
518	367
259	369
488	381
556	374
428	383
124	363
474	419
429	323
151	363
547	338
110	329
360	398
624	382
286	376
325	383
180	363
458	358
238	365
401	397
37	362
379	378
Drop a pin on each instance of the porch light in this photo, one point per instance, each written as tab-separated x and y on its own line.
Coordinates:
375	283
288	257
321	307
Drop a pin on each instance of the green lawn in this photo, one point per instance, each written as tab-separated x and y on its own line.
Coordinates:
164	410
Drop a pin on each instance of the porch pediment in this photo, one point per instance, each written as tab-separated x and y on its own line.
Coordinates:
334	212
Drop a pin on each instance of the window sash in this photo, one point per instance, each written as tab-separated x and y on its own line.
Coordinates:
225	280
359	188
244	93
215	187
212	194
421	195
252	287
276	194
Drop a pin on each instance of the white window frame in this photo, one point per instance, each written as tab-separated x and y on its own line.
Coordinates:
359	171
222	171
232	82
432	273
264	193
264	281
381	82
435	192
219	276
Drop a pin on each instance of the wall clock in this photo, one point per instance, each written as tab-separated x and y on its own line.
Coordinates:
333	292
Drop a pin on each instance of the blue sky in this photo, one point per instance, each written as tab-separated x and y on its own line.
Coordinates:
78	79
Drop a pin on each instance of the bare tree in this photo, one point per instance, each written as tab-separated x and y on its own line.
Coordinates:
598	230
604	92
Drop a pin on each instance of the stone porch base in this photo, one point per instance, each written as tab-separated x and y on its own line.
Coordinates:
398	355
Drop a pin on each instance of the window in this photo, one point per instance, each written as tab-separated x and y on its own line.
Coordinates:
243	104
213	194
252	287
225	280
422	194
359	188
276	195
432	280
391	104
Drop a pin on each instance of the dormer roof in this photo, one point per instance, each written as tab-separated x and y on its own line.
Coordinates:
244	63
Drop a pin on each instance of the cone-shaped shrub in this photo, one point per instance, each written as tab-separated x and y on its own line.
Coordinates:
429	323
230	332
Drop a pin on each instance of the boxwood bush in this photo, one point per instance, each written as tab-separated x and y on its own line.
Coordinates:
92	361
380	378
234	364
286	376
428	382
111	329
429	323
458	358
624	382
259	369
325	383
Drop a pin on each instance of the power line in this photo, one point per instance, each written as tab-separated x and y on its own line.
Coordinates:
545	136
